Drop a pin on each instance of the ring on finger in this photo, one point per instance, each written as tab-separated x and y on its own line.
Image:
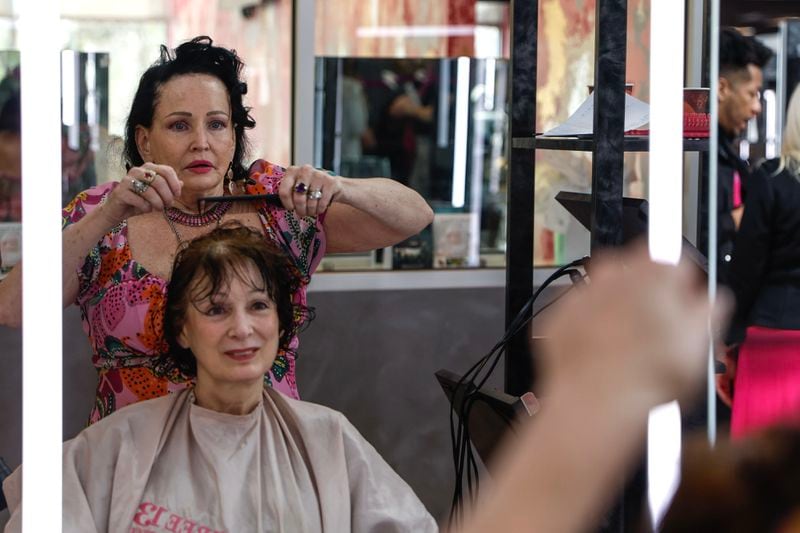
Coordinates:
149	176
139	187
315	194
300	188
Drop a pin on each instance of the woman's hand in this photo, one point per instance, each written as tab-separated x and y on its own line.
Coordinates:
144	189
726	380
309	191
363	213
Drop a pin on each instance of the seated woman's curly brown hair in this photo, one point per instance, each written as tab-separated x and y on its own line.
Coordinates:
204	267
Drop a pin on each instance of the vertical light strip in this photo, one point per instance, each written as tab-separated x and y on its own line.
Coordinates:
460	133
477	154
41	242
68	69
92	102
665	198
491	72
303	82
780	80
319	101
443	118
770	124
666	131
70	116
337	120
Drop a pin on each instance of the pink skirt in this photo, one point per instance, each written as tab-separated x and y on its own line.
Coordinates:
767	387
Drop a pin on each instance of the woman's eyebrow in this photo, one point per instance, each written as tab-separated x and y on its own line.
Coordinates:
188	114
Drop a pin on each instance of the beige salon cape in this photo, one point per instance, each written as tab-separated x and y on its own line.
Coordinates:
170	465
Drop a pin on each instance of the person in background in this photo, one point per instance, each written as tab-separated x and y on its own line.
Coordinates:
10	160
10	174
763	381
186	140
229	453
745	486
741	62
402	120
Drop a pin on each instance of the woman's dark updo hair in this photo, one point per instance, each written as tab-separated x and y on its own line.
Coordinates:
198	56
205	266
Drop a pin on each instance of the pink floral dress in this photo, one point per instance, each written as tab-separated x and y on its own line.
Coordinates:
122	304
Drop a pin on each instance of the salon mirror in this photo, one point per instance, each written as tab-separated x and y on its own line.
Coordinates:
748	156
10	254
436	125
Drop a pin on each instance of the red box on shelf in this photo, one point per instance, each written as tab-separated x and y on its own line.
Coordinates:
696	118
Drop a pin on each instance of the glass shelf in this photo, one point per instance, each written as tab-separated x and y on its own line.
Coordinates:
632	143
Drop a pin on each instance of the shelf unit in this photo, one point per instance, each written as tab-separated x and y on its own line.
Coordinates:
608	146
630	144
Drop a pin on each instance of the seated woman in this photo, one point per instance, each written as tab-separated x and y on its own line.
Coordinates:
229	454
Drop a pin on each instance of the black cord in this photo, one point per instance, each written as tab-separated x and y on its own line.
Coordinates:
464	460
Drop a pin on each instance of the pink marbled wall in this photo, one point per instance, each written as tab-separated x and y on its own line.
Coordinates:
338	23
565	68
461	13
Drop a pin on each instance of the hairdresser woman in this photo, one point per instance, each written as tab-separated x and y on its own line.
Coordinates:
185	140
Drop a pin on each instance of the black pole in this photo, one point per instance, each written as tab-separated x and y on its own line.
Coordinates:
519	371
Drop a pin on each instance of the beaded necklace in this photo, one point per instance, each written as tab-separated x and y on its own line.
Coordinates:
215	213
173	215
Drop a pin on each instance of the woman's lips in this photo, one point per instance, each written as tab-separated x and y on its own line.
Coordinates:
200	167
200	170
244	354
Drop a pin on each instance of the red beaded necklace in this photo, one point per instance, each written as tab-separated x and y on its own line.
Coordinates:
214	214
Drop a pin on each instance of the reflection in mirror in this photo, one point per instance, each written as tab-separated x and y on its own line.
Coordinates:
436	125
10	255
10	163
758	221
84	119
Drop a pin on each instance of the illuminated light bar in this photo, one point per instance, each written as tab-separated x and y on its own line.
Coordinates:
41	242
377	32
664	239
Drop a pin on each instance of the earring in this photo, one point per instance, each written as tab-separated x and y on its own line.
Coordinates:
229	179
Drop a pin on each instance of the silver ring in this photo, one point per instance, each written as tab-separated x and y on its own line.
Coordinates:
139	187
315	194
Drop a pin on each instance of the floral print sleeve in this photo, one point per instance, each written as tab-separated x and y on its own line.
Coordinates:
302	238
78	208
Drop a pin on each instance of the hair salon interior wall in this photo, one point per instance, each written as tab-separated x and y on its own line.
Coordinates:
565	70
395	28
